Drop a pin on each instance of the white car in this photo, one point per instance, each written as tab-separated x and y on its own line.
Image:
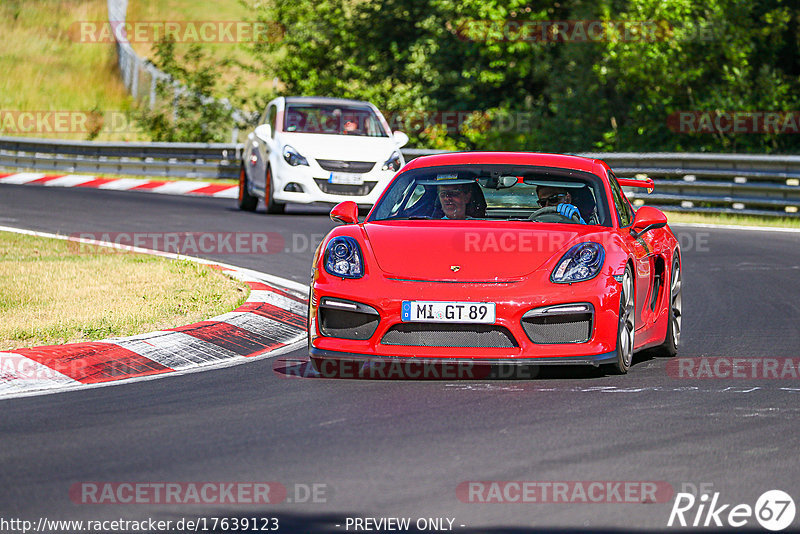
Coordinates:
309	149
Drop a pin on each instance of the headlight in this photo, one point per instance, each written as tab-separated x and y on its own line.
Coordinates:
293	157
343	258
393	163
581	262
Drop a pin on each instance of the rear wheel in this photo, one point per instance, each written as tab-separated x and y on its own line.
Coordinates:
247	202
272	205
627	325
670	346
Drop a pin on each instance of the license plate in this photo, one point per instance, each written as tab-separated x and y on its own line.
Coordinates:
345	178
424	311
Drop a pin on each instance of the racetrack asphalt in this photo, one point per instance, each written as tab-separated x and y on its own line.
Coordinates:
401	448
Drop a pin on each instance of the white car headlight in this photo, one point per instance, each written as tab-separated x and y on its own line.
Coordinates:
394	162
293	157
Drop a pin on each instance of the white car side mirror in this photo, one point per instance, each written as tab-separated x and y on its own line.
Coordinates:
264	132
400	138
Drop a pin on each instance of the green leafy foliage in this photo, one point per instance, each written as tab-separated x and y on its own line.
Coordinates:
420	60
185	110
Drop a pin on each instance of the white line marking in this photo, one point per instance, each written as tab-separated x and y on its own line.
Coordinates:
124	184
232	192
178	188
71	180
275	299
21	178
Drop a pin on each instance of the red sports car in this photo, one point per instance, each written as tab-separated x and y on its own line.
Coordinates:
492	257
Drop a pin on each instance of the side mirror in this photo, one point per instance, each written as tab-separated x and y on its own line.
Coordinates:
400	138
346	212
264	132
647	218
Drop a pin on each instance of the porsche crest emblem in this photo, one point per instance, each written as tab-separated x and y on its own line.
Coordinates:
455	268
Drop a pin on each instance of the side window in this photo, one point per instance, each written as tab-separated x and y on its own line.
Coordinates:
272	114
624	211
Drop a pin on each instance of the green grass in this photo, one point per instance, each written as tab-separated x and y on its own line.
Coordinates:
53	291
201	11
46	68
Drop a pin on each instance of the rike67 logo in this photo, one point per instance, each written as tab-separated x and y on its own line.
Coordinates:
774	510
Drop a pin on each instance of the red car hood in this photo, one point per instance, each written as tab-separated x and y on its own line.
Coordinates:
467	250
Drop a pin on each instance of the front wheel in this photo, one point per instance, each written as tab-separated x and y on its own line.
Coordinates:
627	325
247	202
272	205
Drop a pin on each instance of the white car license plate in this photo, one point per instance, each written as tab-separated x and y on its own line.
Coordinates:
345	178
425	311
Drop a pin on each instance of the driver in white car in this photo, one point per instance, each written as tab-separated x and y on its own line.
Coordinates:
560	198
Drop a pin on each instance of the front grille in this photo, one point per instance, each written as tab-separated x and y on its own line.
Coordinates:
335	165
449	335
347	324
343	189
573	328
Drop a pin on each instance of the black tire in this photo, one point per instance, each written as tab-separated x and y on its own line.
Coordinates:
272	206
247	202
627	324
669	348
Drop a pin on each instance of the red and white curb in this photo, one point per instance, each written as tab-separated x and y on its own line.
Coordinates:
271	322
164	187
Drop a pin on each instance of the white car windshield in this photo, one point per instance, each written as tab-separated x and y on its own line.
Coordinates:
333	119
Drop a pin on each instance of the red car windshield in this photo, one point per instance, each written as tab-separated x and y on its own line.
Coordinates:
332	119
494	192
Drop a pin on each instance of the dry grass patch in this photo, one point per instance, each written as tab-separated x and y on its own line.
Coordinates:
47	68
53	292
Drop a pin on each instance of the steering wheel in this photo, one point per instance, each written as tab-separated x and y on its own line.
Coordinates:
550	214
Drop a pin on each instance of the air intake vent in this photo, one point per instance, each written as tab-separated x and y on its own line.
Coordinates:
335	165
559	324
449	335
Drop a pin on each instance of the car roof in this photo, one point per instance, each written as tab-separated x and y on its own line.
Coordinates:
562	161
325	100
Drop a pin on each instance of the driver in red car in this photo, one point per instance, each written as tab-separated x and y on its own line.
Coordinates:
560	198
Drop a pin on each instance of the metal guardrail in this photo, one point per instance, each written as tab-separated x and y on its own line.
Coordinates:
141	77
718	183
173	160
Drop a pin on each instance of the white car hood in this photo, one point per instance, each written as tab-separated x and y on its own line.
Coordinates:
339	147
